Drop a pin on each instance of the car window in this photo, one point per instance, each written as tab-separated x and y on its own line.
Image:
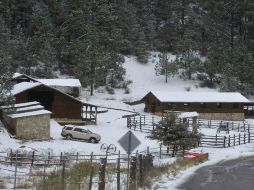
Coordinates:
78	129
68	128
83	131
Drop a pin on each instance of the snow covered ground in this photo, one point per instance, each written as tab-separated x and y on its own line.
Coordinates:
111	126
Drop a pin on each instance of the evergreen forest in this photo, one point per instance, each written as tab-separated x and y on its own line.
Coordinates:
213	40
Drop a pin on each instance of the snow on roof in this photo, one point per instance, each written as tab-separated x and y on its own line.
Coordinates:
188	114
229	97
27	114
35	107
61	82
16	75
21	105
183	114
53	82
20	87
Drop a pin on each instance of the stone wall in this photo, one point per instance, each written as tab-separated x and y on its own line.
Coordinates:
33	127
222	116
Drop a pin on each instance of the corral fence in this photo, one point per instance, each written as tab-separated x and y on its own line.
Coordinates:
246	131
231	125
147	124
100	172
226	141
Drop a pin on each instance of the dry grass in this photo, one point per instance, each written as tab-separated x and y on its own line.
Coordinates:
2	184
169	169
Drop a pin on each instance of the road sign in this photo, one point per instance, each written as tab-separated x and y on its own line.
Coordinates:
129	142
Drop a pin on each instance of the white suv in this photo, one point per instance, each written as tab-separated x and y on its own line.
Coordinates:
79	133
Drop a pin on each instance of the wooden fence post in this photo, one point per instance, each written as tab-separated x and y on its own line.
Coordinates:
48	157
140	122
77	157
63	173
118	171
229	141
249	128
91	173
44	175
239	138
249	137
244	136
61	157
224	143
140	169
91	179
11	156
129	122
133	170
234	139
102	171
216	137
160	150
32	161
238	127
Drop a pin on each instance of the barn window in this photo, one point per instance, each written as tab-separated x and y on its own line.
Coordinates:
203	105
219	105
170	106
235	105
185	106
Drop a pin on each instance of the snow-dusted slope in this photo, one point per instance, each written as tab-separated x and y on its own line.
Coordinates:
143	79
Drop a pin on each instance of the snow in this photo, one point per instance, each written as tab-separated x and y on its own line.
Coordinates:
167	96
27	114
23	86
22	105
185	114
16	75
36	107
111	126
61	82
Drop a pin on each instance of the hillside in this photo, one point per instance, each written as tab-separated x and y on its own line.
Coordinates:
143	79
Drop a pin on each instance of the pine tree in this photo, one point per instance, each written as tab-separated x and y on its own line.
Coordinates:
5	61
165	66
141	48
171	132
238	69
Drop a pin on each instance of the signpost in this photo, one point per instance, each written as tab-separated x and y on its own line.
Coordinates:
129	142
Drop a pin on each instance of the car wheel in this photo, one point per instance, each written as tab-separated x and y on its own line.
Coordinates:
92	140
68	137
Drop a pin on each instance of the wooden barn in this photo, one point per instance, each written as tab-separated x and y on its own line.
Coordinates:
69	86
64	108
209	105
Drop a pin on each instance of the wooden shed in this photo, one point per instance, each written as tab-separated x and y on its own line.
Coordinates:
209	105
27	121
64	108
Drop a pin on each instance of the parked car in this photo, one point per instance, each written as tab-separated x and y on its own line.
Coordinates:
78	133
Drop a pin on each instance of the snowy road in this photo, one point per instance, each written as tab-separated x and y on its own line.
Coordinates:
227	175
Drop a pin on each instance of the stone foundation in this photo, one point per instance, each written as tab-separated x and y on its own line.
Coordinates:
222	116
36	127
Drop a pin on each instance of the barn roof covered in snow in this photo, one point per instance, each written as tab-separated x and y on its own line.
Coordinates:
200	97
61	82
24	86
70	82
